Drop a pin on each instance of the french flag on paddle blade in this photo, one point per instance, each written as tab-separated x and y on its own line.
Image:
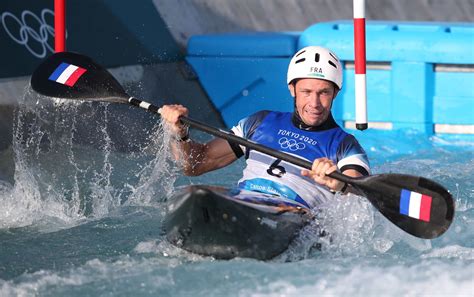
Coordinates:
67	74
415	205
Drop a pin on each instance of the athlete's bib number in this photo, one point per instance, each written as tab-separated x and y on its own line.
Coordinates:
276	170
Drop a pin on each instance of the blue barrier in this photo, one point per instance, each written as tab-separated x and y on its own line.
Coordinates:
243	73
419	75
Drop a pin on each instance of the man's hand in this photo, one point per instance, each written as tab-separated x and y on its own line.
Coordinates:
171	114
319	171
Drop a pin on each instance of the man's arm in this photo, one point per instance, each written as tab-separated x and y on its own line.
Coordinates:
348	188
319	173
199	158
352	162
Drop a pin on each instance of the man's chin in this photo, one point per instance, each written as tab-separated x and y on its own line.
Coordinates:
313	122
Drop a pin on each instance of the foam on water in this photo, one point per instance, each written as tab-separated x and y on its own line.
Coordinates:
173	276
422	280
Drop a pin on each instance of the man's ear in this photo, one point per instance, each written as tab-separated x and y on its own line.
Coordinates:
291	87
336	91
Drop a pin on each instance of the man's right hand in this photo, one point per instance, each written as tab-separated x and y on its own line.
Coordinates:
171	114
197	158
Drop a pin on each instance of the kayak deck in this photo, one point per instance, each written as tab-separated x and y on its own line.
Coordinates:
227	223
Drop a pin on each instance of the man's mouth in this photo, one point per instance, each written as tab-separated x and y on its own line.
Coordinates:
313	112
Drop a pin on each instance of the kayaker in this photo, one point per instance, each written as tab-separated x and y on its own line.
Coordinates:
314	79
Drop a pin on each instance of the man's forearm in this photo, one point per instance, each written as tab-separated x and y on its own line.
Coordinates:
189	154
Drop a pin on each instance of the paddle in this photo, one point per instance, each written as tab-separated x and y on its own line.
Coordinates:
417	205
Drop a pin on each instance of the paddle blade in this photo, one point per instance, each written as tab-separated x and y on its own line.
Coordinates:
417	205
73	76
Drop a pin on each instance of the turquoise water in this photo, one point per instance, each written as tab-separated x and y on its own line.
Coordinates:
83	217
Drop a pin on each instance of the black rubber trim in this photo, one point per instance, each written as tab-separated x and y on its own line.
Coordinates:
357	168
236	148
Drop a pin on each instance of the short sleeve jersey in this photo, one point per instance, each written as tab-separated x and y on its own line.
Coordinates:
276	130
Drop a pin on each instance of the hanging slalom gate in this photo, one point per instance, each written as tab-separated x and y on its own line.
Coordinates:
419	75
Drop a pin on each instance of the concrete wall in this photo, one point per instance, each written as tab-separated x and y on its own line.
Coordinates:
189	17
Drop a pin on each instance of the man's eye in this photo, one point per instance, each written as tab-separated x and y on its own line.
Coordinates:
325	92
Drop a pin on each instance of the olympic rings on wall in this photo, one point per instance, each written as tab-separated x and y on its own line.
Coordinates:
27	34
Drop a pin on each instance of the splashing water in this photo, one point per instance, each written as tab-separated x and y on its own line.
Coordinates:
72	163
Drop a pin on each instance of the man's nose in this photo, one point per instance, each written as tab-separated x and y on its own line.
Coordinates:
314	100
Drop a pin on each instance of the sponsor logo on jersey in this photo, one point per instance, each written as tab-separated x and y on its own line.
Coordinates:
300	138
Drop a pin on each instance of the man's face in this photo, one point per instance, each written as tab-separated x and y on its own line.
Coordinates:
313	99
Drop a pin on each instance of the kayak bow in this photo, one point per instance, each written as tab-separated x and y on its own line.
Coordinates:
227	223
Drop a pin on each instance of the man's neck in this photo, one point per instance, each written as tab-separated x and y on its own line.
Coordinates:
326	125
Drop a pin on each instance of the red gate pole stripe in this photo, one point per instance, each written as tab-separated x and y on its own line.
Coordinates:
359	36
360	65
60	25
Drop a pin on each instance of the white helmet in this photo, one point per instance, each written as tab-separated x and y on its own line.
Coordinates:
315	62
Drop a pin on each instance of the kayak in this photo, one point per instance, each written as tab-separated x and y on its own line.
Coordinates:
227	223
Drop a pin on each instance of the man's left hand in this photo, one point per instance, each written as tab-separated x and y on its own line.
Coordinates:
319	173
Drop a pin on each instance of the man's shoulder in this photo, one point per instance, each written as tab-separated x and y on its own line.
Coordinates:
259	116
349	145
273	112
345	137
248	125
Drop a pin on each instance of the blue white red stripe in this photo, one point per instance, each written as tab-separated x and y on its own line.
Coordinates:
67	74
415	205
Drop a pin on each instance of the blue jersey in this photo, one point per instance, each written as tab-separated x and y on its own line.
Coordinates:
267	174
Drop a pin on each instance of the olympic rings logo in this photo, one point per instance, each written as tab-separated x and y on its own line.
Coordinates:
291	144
27	33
